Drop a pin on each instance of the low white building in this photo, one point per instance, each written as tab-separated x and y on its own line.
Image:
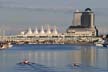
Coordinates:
74	31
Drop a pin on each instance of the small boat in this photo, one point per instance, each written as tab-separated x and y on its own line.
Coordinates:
5	45
101	43
25	62
76	65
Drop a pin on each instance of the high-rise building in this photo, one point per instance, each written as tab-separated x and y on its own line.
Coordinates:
77	18
85	18
83	23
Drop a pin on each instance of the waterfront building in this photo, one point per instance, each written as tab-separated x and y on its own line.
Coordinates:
83	29
84	18
55	30
29	32
87	18
49	30
76	18
42	32
83	24
36	32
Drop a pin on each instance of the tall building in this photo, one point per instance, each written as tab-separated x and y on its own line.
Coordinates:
77	18
83	23
85	18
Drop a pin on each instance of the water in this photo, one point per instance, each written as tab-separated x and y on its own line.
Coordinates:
54	58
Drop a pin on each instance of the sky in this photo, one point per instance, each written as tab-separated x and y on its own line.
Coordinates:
55	3
17	15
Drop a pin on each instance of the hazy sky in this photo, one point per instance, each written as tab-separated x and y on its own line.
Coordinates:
17	15
56	3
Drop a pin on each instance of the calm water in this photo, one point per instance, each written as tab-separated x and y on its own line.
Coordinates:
54	58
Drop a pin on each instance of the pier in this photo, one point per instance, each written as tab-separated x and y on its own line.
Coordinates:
55	39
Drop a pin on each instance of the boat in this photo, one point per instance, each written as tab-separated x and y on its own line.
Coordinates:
25	62
101	43
5	45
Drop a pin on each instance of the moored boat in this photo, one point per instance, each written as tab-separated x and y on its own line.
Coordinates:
101	43
5	45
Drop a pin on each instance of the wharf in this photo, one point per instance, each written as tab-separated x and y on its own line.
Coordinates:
49	39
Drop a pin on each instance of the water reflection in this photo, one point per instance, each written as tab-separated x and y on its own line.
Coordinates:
88	57
50	58
102	58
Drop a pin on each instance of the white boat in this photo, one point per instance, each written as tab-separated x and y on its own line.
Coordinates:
101	43
5	45
25	62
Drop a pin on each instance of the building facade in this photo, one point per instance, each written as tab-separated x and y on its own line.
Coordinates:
77	18
84	18
83	23
87	18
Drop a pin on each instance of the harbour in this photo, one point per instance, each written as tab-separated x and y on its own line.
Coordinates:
53	36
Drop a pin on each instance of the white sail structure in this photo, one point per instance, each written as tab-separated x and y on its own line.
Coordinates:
55	30
22	33
29	32
42	31
36	31
48	30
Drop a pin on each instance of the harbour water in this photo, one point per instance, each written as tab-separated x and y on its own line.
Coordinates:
54	58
